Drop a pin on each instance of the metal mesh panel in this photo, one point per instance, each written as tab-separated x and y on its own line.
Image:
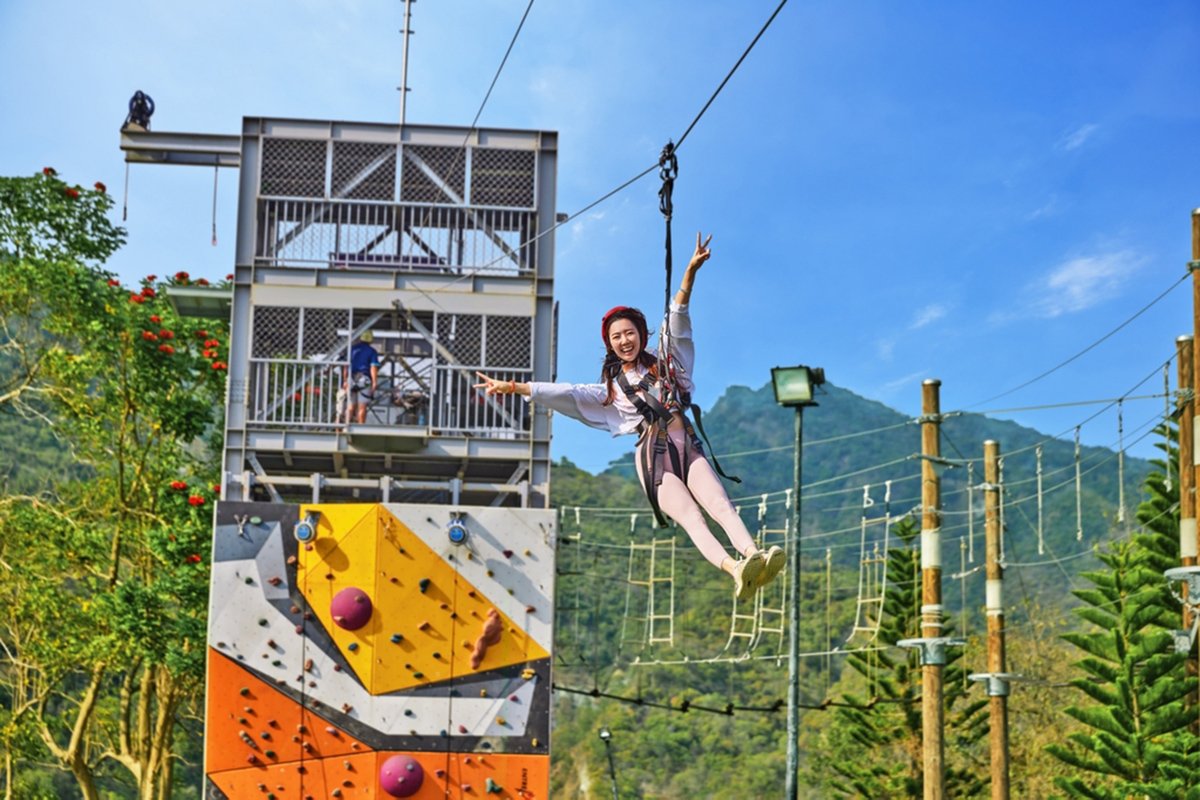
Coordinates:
364	170
321	337
502	178
433	174
275	332
462	335
508	342
293	167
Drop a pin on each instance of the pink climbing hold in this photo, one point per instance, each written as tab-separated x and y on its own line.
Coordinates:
401	776
351	608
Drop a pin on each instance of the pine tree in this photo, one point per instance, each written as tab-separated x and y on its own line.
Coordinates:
873	749
1139	743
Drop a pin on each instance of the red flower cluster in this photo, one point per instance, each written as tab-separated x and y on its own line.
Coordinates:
212	343
209	353
219	365
166	348
149	336
151	278
195	500
166	334
201	282
216	487
136	298
201	334
49	172
148	292
71	192
155	318
113	282
100	187
182	277
193	559
229	277
297	397
178	486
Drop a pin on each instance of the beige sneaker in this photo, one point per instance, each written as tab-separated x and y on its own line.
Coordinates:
746	574
774	559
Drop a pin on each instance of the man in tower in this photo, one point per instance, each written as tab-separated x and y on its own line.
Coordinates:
363	378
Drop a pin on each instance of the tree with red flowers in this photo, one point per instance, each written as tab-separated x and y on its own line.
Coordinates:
102	628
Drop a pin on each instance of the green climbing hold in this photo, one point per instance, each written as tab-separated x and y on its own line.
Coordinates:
256	520
493	787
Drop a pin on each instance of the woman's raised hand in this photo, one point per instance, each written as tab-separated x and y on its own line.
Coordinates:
702	253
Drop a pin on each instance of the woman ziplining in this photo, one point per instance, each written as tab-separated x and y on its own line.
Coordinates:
654	392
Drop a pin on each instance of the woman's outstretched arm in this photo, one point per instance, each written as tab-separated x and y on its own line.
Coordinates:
701	255
494	386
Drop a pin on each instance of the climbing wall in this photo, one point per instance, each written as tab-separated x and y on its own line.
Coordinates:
378	651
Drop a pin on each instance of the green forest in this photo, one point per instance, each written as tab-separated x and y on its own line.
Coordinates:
110	413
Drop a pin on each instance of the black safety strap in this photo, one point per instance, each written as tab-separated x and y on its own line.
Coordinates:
686	400
668	169
646	404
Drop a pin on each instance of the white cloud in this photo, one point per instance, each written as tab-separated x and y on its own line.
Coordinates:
1080	283
1076	138
1050	208
927	315
903	382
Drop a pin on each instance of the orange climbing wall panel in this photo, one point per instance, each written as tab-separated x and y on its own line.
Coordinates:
298	706
242	706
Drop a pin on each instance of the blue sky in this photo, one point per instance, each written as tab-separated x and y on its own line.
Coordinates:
897	191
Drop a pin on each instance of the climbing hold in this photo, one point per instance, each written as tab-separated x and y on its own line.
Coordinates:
291	560
337	667
530	610
424	625
471	593
397	638
501	721
514	698
489	636
534	742
418	675
508	553
244	691
437	655
408	712
256	520
443	606
350	608
466	760
332	731
249	581
352	647
528	673
299	629
528	553
490	573
441	773
401	776
275	580
308	665
423	584
493	787
262	622
347	765
347	708
483	692
271	644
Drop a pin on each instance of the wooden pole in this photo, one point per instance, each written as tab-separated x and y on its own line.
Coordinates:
1187	474
932	713
996	662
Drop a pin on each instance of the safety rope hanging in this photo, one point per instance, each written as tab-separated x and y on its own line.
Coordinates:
668	169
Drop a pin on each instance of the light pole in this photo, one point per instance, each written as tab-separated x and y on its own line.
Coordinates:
794	388
606	737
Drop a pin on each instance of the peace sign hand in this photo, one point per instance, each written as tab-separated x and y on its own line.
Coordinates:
702	253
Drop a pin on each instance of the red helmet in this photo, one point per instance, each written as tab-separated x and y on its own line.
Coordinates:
624	312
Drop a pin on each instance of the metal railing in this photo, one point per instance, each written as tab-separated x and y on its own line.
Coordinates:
339	234
457	407
294	393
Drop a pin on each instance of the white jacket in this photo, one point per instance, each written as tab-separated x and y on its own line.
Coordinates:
585	401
